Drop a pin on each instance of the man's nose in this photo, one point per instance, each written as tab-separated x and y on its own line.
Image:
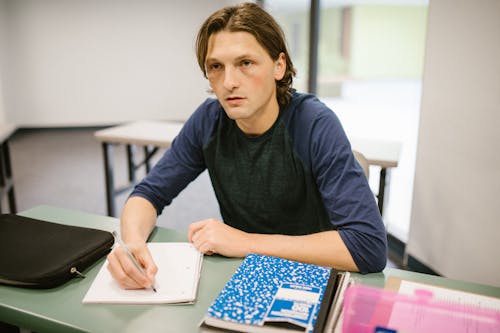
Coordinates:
231	78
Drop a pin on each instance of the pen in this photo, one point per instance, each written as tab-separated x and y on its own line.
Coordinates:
130	255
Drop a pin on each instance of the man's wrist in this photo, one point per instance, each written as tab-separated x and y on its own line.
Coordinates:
252	243
129	237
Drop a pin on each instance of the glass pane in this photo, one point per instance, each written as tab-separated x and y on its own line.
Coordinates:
370	66
293	17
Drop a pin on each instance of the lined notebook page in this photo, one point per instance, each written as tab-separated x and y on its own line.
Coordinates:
179	267
466	307
451	295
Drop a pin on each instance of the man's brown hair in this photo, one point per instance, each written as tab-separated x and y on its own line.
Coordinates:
251	18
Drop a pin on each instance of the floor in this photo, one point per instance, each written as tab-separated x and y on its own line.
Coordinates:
64	168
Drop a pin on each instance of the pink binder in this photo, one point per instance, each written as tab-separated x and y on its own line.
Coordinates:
368	310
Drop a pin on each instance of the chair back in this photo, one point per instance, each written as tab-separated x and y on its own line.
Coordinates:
363	162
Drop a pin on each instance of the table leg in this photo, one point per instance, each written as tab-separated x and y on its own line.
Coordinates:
130	163
147	157
8	173
6	182
109	179
382	192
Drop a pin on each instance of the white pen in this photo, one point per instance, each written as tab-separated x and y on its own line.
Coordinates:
130	255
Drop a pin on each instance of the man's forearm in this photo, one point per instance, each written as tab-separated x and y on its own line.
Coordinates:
138	220
324	248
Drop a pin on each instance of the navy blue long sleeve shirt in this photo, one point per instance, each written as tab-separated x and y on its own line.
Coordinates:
299	177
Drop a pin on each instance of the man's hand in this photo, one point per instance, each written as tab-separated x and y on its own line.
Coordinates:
123	270
324	248
213	236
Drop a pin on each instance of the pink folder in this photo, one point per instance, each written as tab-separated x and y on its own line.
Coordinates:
369	310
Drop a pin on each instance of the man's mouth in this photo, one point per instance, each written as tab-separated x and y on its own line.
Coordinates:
233	98
235	101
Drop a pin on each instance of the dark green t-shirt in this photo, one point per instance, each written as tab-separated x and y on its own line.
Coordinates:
261	184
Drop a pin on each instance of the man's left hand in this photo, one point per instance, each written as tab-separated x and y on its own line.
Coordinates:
213	236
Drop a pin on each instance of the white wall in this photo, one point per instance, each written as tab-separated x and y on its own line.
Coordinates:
455	223
96	62
2	59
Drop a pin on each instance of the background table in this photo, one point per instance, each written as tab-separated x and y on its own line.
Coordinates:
61	309
152	135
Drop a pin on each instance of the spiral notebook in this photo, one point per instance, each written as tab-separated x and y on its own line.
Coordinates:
179	267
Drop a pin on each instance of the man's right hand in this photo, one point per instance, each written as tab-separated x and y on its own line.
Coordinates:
124	271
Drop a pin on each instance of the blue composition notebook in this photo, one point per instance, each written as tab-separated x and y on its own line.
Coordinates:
269	294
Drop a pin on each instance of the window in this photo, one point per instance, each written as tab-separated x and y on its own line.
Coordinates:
293	16
370	59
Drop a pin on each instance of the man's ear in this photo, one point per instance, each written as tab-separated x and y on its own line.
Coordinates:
280	67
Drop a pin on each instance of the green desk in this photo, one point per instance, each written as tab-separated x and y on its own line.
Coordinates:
60	309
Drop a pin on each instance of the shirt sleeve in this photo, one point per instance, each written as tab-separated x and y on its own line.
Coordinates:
346	193
181	163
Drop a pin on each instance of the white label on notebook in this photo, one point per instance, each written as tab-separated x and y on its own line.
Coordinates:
293	303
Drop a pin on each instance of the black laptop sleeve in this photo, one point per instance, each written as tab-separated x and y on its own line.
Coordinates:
41	254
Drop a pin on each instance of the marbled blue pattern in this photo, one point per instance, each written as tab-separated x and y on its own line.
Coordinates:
247	296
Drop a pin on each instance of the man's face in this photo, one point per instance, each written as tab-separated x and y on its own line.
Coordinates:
242	75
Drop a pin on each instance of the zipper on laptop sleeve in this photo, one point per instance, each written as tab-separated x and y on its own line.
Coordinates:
73	270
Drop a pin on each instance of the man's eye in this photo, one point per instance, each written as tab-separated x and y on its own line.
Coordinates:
246	63
214	67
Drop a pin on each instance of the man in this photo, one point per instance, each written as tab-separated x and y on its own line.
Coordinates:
280	164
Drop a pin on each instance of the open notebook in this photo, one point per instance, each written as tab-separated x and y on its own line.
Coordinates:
179	267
